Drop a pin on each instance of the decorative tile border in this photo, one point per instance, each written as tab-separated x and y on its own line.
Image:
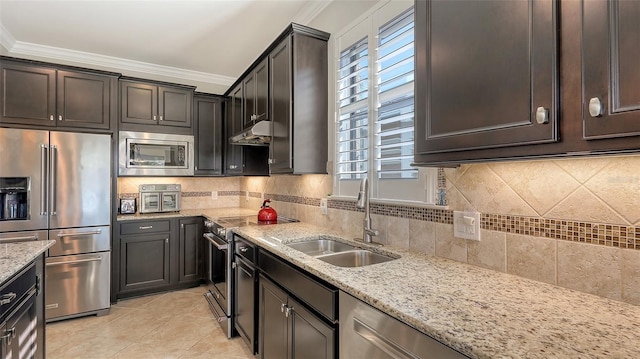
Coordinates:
609	235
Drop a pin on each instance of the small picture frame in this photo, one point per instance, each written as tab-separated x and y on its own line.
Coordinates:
127	205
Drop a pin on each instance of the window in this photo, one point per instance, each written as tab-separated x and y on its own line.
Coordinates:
375	108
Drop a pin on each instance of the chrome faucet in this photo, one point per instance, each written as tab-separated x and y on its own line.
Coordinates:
363	202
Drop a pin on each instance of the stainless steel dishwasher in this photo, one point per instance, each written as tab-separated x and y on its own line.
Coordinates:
366	332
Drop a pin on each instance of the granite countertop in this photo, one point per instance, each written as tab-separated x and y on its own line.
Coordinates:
14	256
479	312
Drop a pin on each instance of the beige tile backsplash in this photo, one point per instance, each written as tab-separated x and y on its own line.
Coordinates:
592	191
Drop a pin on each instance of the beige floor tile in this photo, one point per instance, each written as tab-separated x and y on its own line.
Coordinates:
168	325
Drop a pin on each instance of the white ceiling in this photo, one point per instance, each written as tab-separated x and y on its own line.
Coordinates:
207	43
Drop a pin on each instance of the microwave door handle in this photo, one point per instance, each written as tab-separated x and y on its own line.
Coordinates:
43	179
54	182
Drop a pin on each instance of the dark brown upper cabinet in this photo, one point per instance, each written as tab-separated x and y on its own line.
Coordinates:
36	95
298	65
155	107
242	160
611	79
486	76
208	134
256	91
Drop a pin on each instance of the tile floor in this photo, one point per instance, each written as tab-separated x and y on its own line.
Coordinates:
169	325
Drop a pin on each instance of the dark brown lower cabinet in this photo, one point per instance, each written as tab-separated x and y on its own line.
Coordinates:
288	329
22	323
156	256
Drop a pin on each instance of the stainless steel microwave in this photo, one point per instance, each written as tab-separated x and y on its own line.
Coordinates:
155	154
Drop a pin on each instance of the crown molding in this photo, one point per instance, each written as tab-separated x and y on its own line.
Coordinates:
87	59
310	11
6	39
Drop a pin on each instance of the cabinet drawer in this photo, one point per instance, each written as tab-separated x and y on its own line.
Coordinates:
13	292
309	290
245	249
145	227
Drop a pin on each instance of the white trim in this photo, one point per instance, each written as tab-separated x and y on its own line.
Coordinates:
310	11
6	39
387	201
87	59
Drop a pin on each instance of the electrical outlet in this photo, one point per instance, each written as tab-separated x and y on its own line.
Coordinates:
214	195
466	225
323	205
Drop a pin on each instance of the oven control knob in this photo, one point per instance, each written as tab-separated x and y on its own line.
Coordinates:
222	232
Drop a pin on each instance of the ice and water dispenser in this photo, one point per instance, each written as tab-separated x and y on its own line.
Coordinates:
14	198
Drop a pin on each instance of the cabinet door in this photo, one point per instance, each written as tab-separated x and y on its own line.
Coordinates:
139	103
274	325
483	68
244	311
22	343
610	60
174	107
27	94
83	100
208	136
310	337
144	261
234	155
261	75
249	99
190	257
280	106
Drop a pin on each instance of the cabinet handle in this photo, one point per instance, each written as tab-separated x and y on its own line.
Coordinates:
8	334
145	227
7	298
282	306
181	225
542	115
595	107
161	119
271	161
244	249
233	167
59	117
50	117
287	311
166	240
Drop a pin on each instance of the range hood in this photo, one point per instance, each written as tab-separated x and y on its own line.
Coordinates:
256	135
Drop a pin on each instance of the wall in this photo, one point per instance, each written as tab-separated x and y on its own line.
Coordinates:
196	191
569	222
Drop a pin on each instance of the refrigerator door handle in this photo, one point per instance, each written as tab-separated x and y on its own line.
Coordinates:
54	180
43	184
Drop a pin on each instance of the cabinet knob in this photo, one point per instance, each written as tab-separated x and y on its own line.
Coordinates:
59	117
282	306
161	119
244	249
155	118
287	311
166	240
50	117
271	161
7	298
595	107
542	115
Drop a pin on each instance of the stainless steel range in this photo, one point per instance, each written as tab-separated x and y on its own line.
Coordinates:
219	234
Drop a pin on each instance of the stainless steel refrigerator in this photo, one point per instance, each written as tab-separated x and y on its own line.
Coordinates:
57	185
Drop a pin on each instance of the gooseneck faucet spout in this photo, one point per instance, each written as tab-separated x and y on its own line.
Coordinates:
363	203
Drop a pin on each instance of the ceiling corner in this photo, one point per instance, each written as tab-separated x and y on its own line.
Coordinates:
310	11
6	39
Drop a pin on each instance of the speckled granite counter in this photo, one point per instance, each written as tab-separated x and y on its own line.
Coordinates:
14	256
211	213
481	313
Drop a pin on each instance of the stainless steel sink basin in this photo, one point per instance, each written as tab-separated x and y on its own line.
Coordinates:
354	258
321	246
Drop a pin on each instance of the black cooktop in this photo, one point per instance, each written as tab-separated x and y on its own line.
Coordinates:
243	221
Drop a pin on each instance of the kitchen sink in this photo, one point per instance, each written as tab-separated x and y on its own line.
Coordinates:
354	258
321	246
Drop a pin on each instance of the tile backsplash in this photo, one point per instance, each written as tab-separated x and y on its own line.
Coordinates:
569	222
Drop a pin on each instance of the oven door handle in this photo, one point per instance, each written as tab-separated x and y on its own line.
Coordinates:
214	240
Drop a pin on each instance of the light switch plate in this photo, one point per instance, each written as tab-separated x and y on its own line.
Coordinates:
466	225
323	205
